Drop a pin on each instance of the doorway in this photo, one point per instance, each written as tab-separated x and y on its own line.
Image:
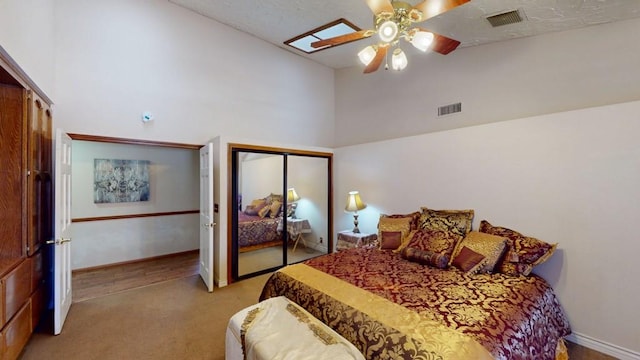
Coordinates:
123	235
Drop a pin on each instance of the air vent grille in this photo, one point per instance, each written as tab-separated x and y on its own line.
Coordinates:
509	17
449	109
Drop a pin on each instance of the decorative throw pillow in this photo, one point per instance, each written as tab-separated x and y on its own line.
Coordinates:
258	202
414	216
455	221
425	257
255	206
514	269
523	251
274	197
251	210
390	240
491	246
436	241
274	208
264	211
403	225
469	261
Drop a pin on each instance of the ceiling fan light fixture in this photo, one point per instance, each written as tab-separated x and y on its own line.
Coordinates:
388	31
367	54
398	60
422	40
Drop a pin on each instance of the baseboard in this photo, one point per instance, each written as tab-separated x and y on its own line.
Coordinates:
603	347
134	261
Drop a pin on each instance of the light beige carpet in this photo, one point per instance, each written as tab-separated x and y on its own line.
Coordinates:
176	319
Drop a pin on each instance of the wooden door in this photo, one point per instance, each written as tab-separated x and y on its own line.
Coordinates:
62	243
39	174
12	146
206	215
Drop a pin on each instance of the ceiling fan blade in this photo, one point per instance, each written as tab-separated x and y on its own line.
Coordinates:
443	45
377	60
431	8
342	39
378	6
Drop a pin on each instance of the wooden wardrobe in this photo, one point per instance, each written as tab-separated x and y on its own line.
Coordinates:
26	205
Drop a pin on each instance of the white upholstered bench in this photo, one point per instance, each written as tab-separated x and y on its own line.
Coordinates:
277	328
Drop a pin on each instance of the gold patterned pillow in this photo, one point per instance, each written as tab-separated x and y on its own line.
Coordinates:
455	221
491	246
274	197
414	216
403	225
255	207
264	211
274	209
436	241
524	252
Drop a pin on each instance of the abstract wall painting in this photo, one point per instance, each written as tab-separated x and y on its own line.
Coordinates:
119	181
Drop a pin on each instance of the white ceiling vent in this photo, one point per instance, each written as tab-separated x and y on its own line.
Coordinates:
449	109
506	18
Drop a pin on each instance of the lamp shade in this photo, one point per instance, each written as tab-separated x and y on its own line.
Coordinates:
421	40
292	195
367	54
354	203
398	60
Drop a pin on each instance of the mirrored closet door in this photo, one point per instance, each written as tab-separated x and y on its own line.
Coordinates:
281	203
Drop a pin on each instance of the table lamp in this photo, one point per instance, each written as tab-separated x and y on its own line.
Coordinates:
354	203
292	197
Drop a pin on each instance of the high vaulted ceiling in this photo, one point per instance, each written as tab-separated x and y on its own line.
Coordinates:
276	21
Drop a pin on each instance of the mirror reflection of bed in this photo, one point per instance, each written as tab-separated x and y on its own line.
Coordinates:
275	206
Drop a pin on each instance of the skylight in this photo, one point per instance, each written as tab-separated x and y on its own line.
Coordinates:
332	29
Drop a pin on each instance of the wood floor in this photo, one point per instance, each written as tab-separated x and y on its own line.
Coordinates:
88	284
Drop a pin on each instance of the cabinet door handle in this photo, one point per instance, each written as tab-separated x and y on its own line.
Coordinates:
58	241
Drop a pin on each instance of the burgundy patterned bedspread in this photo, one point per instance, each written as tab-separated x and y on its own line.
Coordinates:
254	230
512	317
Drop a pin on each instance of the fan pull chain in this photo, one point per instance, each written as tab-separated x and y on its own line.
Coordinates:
386	61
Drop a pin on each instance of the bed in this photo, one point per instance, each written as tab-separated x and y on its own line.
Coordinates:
258	224
391	306
255	232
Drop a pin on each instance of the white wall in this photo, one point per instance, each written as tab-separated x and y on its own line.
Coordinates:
26	33
116	59
570	177
507	80
261	176
174	187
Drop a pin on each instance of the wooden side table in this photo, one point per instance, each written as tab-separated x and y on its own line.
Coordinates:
348	239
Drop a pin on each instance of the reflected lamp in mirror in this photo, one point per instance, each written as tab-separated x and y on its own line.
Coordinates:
292	197
354	203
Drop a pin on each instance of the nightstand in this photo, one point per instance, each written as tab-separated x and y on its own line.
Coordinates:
296	228
348	239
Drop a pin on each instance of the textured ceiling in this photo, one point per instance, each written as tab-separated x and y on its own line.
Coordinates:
276	21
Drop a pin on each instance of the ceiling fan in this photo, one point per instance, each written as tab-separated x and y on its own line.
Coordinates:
394	20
